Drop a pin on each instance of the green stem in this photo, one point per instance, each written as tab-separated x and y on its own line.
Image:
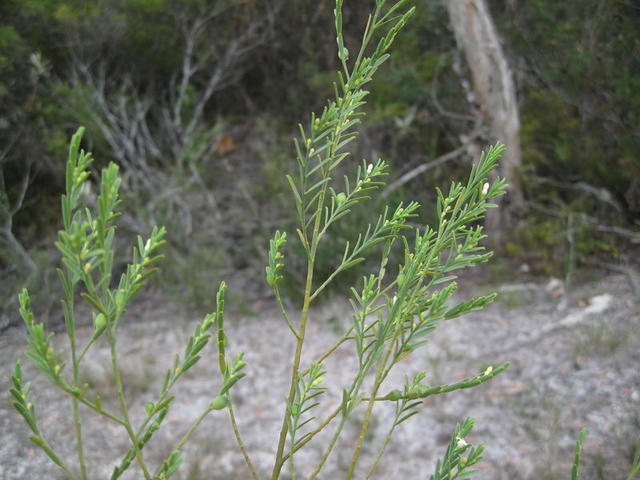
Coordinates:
192	429
353	391
387	439
79	447
379	378
187	435
304	316
326	354
141	429
329	449
361	436
292	464
239	441
283	312
86	348
101	411
440	389
77	422
123	405
51	454
368	34
296	362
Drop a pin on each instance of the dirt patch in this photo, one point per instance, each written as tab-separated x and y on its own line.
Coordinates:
574	363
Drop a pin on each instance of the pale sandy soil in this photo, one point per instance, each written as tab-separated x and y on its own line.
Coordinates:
571	367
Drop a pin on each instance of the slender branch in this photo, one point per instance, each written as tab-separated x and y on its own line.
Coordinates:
425	392
100	410
284	314
123	405
329	449
309	436
85	349
192	429
76	414
187	435
361	436
387	439
296	364
42	443
353	392
239	441
326	354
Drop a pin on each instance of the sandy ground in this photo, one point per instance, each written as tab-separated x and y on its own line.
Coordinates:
574	361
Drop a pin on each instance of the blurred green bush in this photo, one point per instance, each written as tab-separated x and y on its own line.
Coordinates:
191	156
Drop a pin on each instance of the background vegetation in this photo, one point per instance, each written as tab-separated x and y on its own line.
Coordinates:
198	100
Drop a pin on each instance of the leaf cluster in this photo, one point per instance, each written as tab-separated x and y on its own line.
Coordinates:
86	243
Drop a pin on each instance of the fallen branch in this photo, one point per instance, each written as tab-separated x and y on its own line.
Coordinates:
414	172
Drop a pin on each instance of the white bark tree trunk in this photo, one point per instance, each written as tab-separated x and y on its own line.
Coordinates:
495	93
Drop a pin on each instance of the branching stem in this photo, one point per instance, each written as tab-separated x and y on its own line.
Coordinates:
239	441
123	404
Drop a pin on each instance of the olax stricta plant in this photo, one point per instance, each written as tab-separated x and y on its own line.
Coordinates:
395	309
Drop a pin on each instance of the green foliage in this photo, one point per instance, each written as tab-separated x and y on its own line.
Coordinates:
576	81
86	244
395	305
420	53
460	456
576	459
567	235
578	111
407	308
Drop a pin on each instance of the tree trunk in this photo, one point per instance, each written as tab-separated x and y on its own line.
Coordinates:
495	94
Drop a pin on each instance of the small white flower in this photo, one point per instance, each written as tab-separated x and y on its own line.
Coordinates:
461	443
485	188
369	168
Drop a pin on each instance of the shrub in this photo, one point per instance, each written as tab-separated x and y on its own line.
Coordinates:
394	310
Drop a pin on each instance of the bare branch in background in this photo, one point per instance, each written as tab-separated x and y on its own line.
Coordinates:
161	136
599	193
7	212
414	172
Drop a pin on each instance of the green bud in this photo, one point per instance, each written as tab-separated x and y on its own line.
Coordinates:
271	278
220	402
100	322
395	395
341	198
